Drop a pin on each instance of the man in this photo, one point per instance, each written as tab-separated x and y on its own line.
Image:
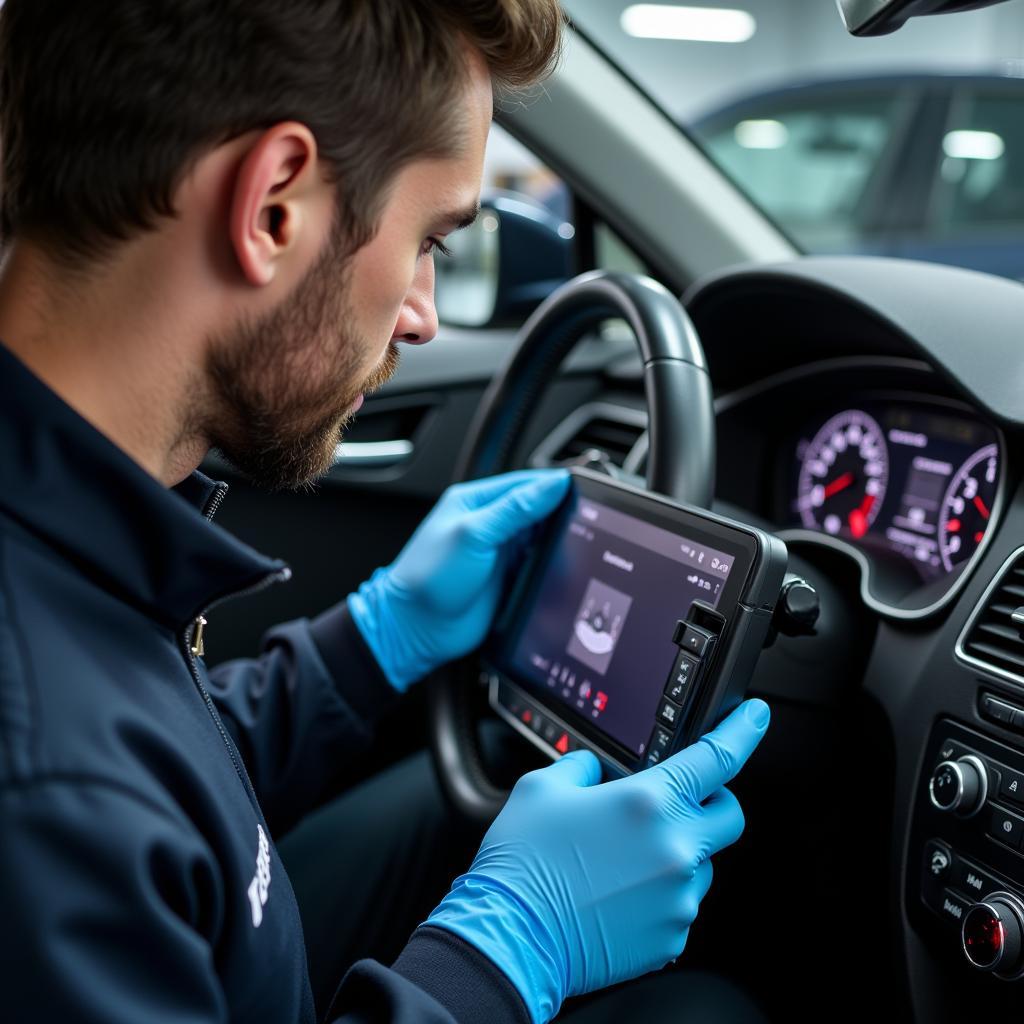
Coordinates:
219	219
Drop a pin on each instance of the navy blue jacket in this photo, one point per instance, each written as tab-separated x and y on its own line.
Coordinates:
139	793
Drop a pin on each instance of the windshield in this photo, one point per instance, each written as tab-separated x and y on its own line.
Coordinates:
905	145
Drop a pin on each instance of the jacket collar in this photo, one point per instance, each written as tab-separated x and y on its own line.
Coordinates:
65	482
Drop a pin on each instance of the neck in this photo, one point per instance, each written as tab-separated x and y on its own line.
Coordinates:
113	349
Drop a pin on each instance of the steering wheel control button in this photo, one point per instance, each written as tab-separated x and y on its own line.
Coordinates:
1012	786
953	907
658	748
992	934
669	714
684	671
959	786
1006	828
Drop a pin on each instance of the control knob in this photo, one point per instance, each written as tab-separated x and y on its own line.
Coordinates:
960	786
992	934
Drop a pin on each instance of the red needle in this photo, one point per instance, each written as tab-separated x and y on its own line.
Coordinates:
840	483
980	506
858	518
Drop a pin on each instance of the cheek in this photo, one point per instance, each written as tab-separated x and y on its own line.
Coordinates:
380	285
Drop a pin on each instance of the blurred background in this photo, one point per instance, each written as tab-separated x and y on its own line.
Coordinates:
904	145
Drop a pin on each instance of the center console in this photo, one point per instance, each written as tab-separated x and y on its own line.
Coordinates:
968	843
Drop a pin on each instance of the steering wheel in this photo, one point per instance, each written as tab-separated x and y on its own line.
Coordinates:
680	462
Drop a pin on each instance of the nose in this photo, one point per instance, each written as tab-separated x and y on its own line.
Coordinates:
417	320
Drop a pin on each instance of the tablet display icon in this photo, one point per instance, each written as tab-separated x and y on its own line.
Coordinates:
598	625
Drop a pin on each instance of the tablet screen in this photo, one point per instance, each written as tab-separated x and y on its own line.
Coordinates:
598	637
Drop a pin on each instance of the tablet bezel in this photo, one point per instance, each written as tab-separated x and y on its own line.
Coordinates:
694	525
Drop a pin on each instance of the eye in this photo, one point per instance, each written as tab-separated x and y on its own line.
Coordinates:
433	244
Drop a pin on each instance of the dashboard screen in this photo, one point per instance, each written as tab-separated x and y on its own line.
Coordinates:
911	478
598	637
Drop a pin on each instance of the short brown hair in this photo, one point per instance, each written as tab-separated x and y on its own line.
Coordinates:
105	104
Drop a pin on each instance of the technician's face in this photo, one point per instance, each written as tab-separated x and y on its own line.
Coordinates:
288	383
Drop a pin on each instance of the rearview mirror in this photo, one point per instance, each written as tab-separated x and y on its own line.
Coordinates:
503	266
880	17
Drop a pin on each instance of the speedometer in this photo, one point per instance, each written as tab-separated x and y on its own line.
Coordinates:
843	475
967	506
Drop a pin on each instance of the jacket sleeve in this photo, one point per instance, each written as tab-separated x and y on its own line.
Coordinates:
106	915
438	979
303	711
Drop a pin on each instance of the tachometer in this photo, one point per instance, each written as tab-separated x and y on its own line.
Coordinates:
843	475
967	506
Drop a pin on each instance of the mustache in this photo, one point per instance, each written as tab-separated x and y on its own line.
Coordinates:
387	368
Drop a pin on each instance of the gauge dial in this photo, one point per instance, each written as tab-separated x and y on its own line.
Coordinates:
843	475
967	506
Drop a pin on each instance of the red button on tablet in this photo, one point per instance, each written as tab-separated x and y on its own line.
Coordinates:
562	745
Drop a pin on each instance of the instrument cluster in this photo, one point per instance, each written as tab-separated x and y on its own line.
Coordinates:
916	480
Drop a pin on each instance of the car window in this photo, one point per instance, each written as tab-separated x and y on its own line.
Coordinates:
981	183
809	165
525	188
510	167
809	123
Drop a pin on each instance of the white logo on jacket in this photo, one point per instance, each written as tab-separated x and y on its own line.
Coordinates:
259	887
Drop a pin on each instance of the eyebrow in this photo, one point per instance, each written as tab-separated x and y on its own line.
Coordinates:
461	218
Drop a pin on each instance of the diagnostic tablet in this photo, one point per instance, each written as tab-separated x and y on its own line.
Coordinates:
634	627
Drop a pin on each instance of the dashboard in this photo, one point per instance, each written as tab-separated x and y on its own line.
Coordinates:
900	477
883	465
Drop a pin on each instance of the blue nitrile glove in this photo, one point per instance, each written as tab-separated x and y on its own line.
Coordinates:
578	886
435	602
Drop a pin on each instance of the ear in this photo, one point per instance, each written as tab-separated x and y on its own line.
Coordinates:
275	187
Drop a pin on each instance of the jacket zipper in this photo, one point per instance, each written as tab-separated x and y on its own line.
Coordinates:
193	666
200	620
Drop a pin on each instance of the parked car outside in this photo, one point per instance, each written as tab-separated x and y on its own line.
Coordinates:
924	166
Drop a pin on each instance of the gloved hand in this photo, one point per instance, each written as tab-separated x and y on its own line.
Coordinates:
435	602
578	885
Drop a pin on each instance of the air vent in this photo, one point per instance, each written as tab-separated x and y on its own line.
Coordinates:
993	640
613	438
601	426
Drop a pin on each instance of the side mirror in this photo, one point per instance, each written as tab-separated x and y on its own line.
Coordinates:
880	17
504	266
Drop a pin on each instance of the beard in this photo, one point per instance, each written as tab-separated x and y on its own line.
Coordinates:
284	384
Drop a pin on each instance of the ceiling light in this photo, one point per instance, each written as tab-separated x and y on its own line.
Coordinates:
761	134
696	24
968	145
